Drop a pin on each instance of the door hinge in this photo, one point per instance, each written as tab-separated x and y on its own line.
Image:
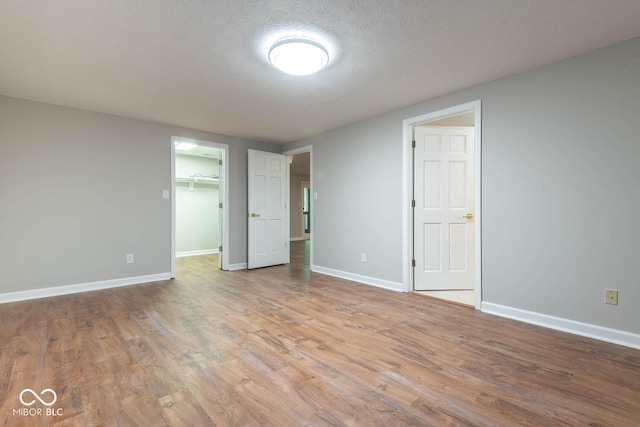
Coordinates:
413	263
220	205
413	203
413	144
220	162
219	248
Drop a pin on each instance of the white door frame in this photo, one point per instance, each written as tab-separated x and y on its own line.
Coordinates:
224	185
305	149
407	194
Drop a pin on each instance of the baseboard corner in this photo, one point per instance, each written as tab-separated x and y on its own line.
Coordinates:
602	333
372	281
80	287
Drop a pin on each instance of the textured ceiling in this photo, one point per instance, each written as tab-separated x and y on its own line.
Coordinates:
202	63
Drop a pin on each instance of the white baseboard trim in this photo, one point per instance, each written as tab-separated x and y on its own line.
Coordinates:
385	284
627	339
295	239
82	287
195	253
238	266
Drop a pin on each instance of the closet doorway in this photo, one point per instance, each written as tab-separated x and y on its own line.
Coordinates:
199	202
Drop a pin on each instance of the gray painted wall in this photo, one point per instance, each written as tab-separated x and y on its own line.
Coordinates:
79	190
359	207
560	181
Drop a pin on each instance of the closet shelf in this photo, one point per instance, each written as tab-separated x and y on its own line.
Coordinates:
197	180
193	180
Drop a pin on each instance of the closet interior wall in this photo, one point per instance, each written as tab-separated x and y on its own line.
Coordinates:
197	209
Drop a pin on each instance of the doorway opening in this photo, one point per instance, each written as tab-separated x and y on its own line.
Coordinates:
443	191
301	197
199	225
306	210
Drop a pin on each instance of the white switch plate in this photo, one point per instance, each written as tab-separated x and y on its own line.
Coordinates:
129	258
315	195
165	194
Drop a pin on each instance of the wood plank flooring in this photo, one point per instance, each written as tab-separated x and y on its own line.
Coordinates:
284	347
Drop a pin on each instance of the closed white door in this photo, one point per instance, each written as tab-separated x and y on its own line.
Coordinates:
444	208
267	224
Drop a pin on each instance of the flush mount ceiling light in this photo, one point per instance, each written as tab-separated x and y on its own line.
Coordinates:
298	56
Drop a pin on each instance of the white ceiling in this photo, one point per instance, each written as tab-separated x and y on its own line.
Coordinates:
201	151
202	64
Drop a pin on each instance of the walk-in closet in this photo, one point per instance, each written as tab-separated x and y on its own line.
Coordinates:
197	200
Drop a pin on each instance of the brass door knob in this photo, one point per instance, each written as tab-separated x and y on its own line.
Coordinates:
468	216
254	215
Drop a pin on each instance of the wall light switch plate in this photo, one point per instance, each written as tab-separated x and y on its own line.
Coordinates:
165	194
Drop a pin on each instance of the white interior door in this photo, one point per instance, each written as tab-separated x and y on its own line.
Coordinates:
268	212
444	242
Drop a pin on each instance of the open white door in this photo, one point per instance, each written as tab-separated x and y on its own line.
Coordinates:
444	211
268	212
221	197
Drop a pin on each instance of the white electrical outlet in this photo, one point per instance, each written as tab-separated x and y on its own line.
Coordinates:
129	258
363	257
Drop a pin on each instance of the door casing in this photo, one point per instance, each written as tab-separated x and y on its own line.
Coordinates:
223	188
291	153
407	194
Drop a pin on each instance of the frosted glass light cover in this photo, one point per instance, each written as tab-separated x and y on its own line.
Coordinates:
299	57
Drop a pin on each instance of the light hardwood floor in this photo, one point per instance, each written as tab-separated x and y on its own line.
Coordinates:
463	297
284	347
